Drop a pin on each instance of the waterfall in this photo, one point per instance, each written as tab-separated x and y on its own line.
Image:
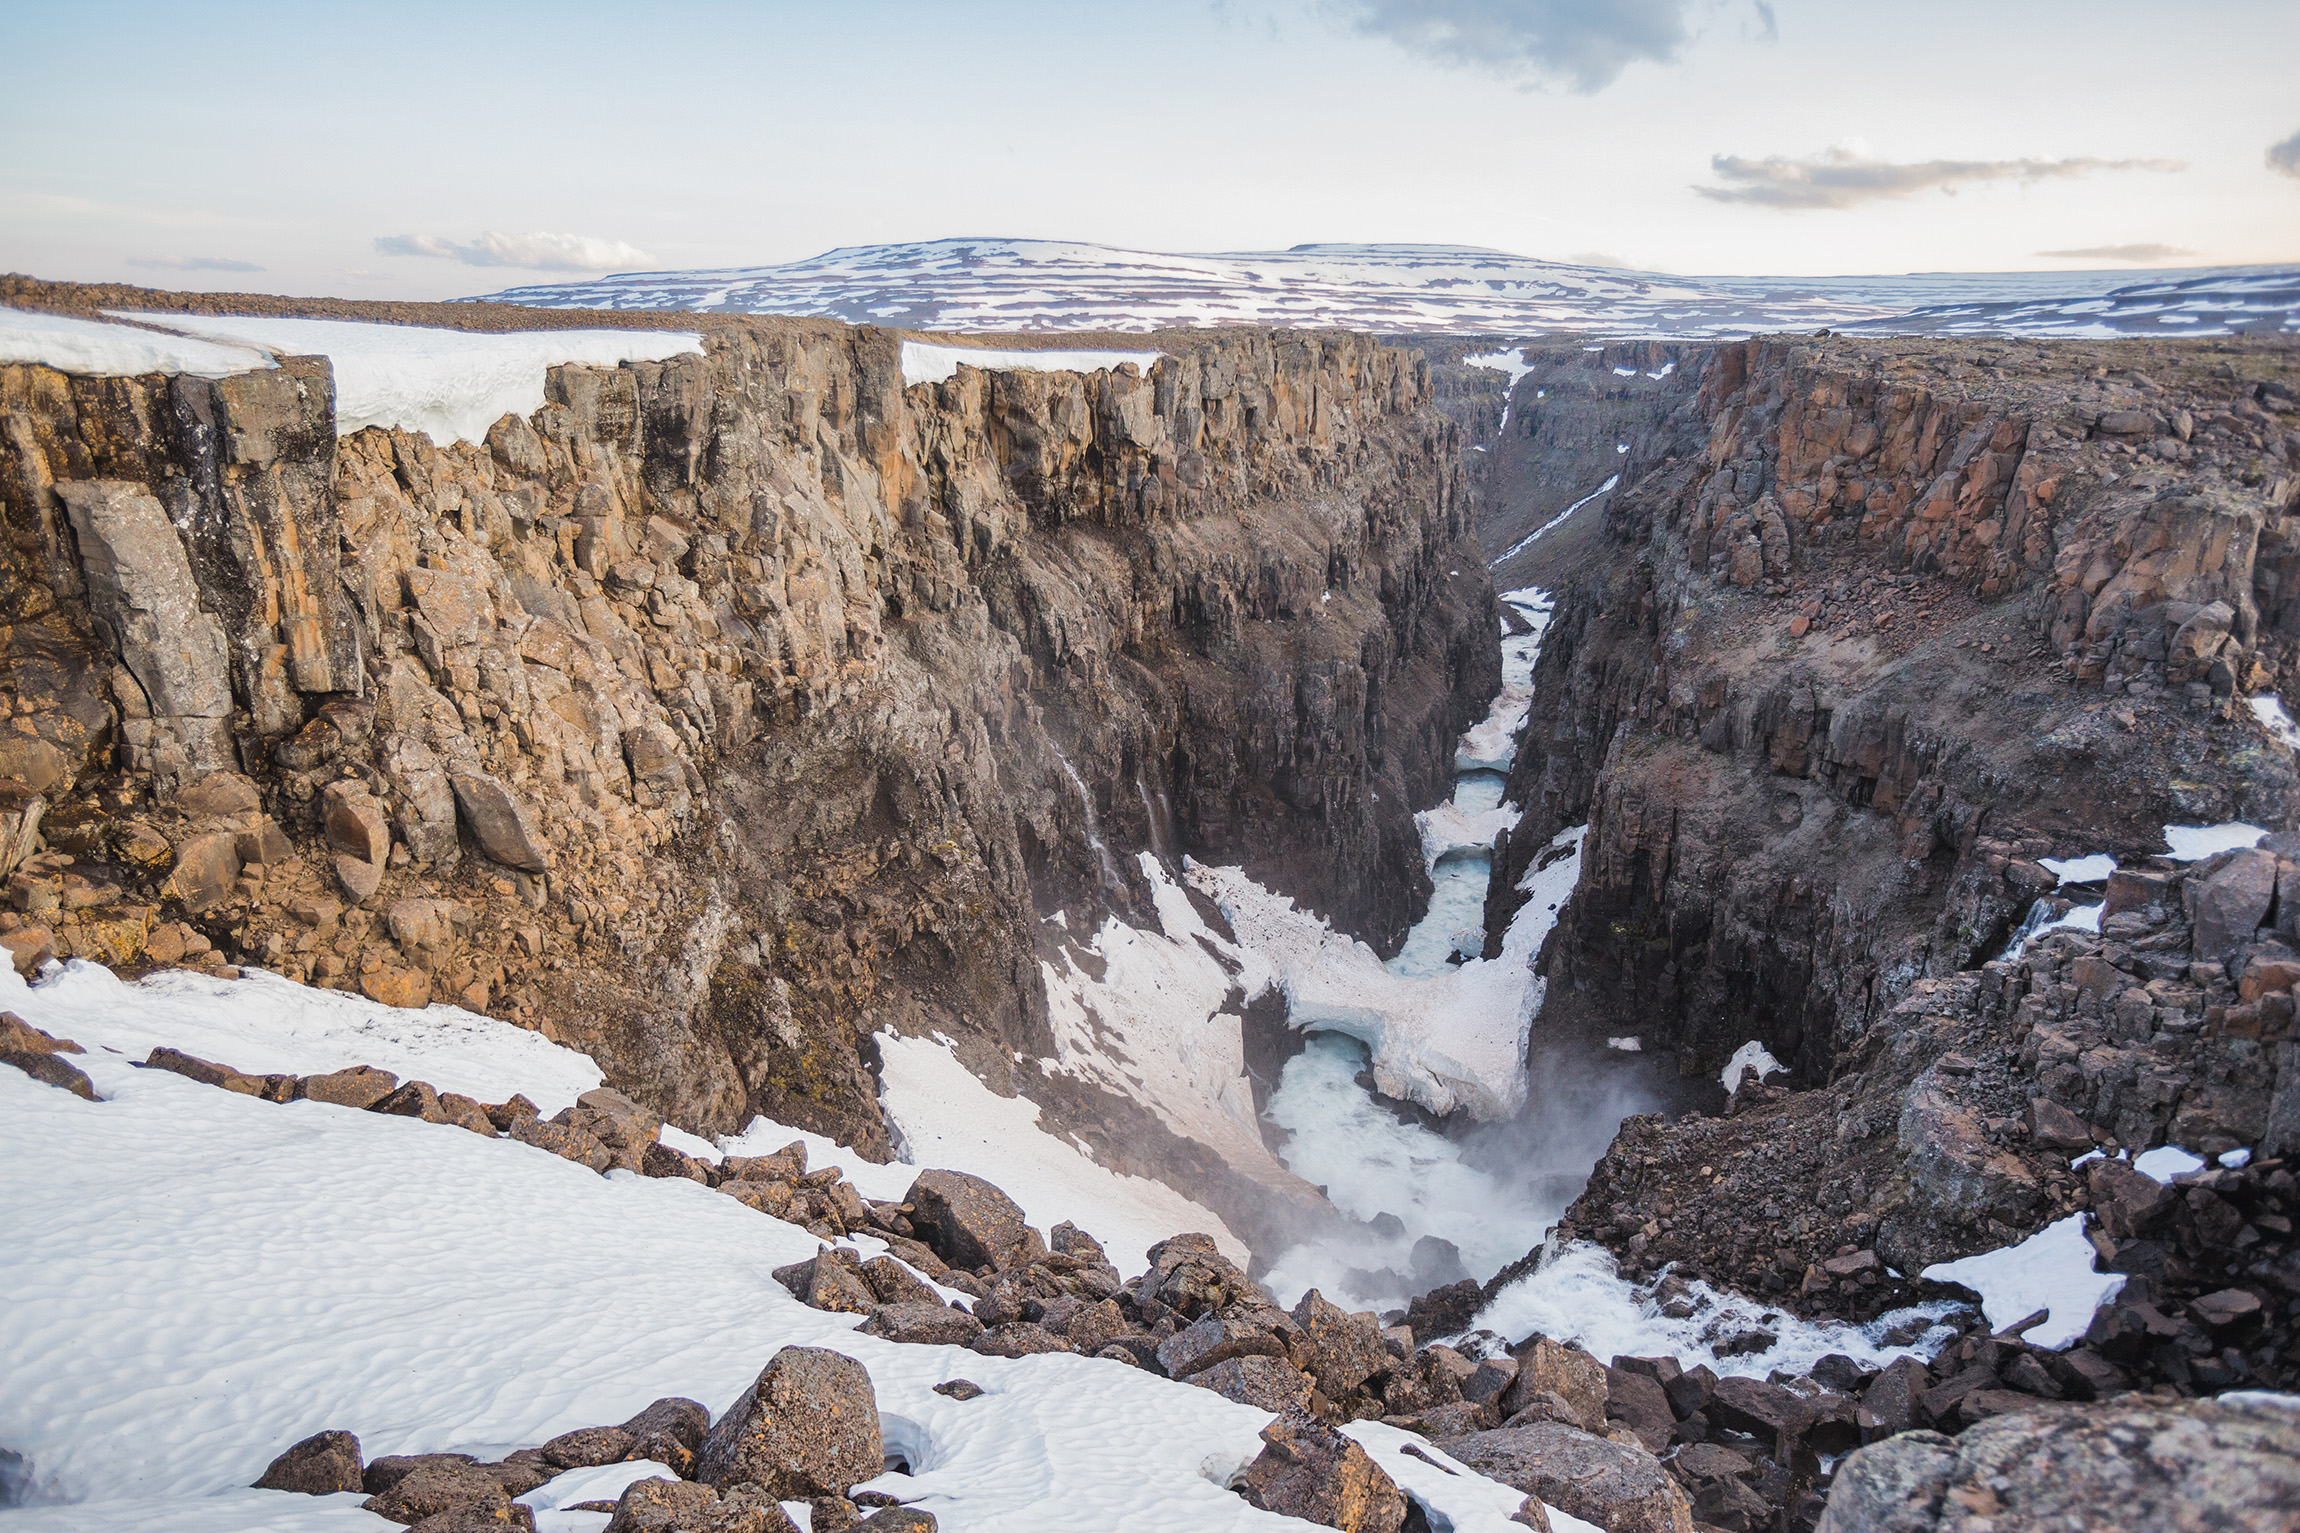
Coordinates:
1110	876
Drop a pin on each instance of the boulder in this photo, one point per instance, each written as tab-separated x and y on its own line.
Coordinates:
670	1431
566	1143
320	1465
480	1517
206	867
1568	1372
1309	1470
360	1086
808	1426
2136	1463
1017	1338
1444	1311
1771	1413
1096	1326
787	1164
932	1325
1620	1488
678	1506
1339	1349
354	822
219	796
28	947
1216	1338
660	1160
2224	909
51	1069
1266	1383
822	1281
426	1485
1639	1402
589	1447
500	822
416	1099
1190	1276
890	1282
968	1222
2128	1203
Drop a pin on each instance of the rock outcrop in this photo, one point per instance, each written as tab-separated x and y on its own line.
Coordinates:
730	709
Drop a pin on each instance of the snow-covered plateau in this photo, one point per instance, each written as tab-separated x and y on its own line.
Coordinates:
1056	285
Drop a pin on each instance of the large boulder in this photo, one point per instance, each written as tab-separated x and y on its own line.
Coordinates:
807	1427
1339	1349
1313	1472
968	1222
320	1465
500	822
1620	1488
1212	1339
2144	1464
409	1490
676	1506
931	1325
1190	1276
670	1431
2224	909
1545	1366
1266	1383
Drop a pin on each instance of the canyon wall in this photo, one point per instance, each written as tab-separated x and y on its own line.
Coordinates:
1879	626
733	708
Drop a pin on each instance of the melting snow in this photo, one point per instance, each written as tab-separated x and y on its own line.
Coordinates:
2166	1162
1576	1294
2269	710
2080	870
2051	1270
2194	843
1752	1058
451	385
1535	536
93	349
922	363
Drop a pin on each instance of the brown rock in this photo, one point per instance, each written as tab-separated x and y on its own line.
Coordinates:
566	1143
510	1517
28	947
2054	1126
676	1506
205	871
1017	1338
589	1447
1620	1488
220	795
1266	1383
1338	1349
499	821
359	878
360	1086
1767	1412
930	1325
661	1160
825	1282
1313	1472
1217	1338
387	986
1569	1372
890	1282
416	1099
430	1484
670	1431
807	1427
320	1465
2128	1202
968	1222
51	1069
2225	909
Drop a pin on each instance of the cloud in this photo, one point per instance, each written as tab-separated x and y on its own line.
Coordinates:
2117	253
191	263
2284	158
538	251
1843	178
1584	43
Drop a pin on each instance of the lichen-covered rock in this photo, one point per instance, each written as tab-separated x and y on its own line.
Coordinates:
408	1490
1266	1383
931	1325
1622	1489
969	1222
678	1506
2132	1466
808	1426
1313	1472
670	1431
320	1465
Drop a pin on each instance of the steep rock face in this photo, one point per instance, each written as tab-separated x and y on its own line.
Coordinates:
732	708
1882	623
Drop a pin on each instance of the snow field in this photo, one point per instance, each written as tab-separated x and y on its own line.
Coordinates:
451	385
199	1279
1577	1295
91	348
2051	1270
922	363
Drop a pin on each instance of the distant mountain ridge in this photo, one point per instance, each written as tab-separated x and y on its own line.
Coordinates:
1006	285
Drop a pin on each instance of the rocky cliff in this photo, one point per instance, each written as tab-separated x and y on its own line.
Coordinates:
1882	625
733	708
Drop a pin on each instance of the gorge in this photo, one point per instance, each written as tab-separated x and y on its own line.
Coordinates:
1362	797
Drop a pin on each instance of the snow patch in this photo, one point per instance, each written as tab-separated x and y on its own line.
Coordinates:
1535	536
2092	869
2269	710
451	385
922	363
1577	1294
2194	843
2051	1270
91	348
2166	1162
1752	1058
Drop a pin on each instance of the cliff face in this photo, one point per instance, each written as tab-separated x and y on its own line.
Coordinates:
731	708
1882	623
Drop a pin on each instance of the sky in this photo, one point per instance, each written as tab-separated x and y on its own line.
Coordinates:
427	150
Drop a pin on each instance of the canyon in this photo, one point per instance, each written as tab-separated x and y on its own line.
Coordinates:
750	717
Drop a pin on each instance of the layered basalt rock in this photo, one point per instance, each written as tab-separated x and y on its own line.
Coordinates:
1883	623
732	708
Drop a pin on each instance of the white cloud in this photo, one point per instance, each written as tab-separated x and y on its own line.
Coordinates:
538	251
2284	158
1585	43
1845	177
